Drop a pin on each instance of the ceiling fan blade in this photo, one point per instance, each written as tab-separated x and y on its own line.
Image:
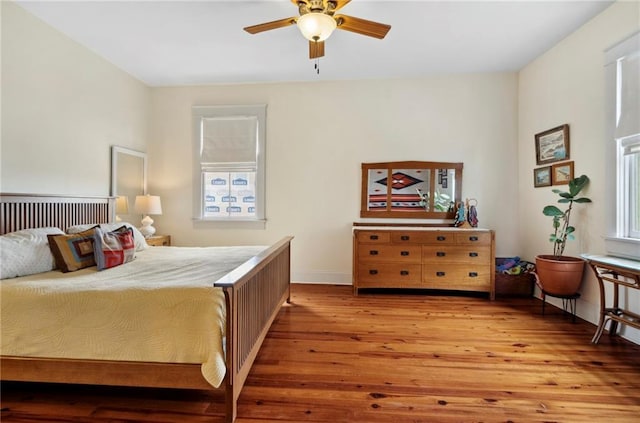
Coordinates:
362	26
316	49
267	26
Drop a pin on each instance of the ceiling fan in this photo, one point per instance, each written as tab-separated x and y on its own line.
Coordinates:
317	21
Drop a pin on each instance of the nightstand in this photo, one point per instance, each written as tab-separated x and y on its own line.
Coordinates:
159	240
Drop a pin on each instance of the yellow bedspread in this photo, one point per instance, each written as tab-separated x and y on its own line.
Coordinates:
161	307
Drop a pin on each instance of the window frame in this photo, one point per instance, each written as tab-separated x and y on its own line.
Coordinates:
207	112
619	241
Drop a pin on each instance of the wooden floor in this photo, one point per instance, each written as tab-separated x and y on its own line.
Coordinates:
332	357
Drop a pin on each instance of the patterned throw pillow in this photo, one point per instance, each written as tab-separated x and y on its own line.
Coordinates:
73	252
138	238
114	248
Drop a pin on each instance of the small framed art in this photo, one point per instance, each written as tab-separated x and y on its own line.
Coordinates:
542	177
552	145
561	173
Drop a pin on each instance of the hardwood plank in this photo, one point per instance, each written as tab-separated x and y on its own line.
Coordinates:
381	357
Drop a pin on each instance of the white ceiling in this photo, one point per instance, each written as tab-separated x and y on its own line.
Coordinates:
201	42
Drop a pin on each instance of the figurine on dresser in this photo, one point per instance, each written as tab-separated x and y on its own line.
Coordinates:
466	214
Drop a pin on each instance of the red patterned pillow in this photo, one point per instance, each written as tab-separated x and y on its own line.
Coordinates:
113	248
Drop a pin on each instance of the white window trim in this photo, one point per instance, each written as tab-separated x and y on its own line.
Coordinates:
200	112
615	243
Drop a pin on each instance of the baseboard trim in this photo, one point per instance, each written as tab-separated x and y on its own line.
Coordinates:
328	278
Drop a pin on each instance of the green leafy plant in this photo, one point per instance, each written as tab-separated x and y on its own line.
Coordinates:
562	230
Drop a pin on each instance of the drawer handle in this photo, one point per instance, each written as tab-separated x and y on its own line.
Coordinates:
441	254
404	272
404	253
404	238
373	252
473	254
374	237
441	238
373	272
439	273
473	274
473	238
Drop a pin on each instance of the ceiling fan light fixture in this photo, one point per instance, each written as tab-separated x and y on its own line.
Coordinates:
316	26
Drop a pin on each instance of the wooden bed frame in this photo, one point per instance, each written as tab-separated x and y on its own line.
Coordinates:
254	293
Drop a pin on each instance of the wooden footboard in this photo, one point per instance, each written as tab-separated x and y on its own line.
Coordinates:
254	293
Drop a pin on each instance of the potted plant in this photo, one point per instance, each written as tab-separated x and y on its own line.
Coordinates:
560	275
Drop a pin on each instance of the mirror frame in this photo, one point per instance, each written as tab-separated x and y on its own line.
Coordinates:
432	167
117	154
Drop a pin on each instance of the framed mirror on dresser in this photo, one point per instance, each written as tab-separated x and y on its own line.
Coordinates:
410	190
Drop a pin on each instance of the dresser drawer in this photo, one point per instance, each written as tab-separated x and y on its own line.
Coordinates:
407	237
381	275
457	277
456	254
437	237
373	237
394	253
475	238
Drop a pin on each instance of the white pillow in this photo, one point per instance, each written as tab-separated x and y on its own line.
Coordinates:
26	252
138	238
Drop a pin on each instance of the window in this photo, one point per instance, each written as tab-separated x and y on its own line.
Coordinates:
623	147
229	145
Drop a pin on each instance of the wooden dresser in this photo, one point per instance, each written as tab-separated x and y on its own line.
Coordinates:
424	257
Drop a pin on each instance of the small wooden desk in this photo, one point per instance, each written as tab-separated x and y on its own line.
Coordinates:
621	273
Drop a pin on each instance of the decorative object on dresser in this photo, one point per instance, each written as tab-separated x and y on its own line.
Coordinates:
423	256
146	205
466	214
159	240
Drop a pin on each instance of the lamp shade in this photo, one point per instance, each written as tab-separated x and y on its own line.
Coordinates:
148	204
316	26
122	205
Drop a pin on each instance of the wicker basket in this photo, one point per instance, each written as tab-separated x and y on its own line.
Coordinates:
513	285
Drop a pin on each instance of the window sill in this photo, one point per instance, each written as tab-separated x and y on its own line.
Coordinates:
623	247
230	223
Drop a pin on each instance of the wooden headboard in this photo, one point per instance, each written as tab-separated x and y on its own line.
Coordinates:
22	211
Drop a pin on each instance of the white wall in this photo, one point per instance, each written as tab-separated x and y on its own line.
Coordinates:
62	108
567	85
318	134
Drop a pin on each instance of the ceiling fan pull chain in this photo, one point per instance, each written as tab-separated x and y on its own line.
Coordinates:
316	66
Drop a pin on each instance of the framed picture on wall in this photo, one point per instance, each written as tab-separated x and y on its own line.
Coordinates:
542	177
561	173
552	145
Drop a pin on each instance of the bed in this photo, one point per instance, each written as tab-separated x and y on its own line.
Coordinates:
247	297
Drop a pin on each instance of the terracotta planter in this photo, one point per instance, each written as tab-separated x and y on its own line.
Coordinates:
560	276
